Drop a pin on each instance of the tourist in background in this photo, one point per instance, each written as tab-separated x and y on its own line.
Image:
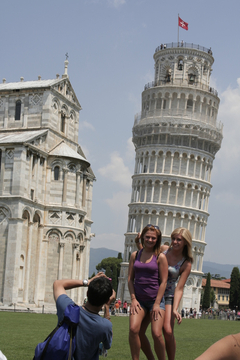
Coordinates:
147	278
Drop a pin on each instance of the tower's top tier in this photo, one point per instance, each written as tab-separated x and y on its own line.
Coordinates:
183	64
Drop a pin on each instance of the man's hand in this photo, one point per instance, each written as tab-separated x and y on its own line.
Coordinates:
112	298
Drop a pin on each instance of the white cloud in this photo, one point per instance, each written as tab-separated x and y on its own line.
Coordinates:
118	203
116	3
117	171
130	151
229	115
86	125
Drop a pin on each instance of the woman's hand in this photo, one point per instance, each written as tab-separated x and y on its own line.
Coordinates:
134	307
155	313
177	316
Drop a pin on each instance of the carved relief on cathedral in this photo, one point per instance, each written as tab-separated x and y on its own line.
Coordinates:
72	167
10	153
71	218
55	105
35	99
69	238
55	217
4	214
190	282
54	237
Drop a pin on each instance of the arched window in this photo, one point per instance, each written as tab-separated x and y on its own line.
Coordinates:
56	172
18	110
191	78
63	116
189	104
180	64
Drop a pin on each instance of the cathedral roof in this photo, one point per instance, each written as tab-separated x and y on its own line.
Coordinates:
20	136
28	84
64	150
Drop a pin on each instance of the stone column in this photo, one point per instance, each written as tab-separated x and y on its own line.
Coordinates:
42	270
2	170
152	191
163	164
10	292
180	164
176	197
171	166
39	260
37	177
28	263
78	174
148	163
165	223
84	191
64	198
60	266
160	192
187	167
74	260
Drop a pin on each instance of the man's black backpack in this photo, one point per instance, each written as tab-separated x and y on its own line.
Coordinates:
61	343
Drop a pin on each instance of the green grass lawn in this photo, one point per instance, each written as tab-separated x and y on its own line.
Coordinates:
20	333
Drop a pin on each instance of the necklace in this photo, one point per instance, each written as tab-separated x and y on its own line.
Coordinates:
93	312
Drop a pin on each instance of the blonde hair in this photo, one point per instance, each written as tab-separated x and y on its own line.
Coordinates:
187	236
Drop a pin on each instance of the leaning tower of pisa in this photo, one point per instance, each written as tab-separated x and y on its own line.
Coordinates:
176	137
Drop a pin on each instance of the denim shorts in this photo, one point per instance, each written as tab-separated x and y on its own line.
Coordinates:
148	305
169	300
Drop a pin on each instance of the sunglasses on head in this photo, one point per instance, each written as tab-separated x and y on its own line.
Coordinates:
155	227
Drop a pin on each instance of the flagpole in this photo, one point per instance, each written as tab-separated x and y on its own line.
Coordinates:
178	29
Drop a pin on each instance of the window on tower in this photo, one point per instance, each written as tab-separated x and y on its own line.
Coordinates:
62	122
18	110
191	78
180	64
56	172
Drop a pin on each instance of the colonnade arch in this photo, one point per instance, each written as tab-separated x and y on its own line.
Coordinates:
174	162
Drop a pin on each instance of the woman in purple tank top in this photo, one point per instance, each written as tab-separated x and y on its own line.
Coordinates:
147	279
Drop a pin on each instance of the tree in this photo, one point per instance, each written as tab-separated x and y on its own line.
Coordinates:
234	288
119	255
212	297
206	295
111	267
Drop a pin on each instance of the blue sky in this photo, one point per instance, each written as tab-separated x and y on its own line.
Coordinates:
111	45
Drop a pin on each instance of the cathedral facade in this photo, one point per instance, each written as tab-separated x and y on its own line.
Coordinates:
45	191
176	137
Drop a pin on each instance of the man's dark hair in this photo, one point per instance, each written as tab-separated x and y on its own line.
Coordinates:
99	291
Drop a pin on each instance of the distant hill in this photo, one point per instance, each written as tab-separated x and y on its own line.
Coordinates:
222	270
96	256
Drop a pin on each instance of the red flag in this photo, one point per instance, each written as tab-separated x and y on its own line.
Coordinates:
182	24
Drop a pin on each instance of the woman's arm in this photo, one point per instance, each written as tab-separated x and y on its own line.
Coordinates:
163	275
227	348
179	289
134	303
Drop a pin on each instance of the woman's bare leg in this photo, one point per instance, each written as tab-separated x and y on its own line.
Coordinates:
157	327
145	344
135	322
168	326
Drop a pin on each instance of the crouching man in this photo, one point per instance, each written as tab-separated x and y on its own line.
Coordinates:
92	328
